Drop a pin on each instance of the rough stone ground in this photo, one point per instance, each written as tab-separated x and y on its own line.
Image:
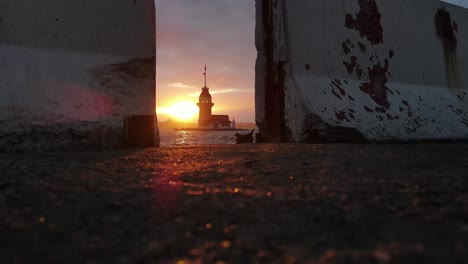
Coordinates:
237	204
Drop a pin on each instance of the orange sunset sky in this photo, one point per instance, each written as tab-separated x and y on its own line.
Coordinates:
220	34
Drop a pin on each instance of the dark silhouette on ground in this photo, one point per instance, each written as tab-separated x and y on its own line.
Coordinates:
244	139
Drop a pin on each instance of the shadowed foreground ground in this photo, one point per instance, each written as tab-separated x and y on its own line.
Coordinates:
237	204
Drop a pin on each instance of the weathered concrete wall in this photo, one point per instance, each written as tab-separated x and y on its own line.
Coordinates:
361	69
70	71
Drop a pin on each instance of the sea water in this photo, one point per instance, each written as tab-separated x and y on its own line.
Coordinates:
171	138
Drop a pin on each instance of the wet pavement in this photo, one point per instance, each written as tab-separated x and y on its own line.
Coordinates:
237	204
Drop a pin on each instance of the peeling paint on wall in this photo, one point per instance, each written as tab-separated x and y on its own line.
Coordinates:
367	21
376	87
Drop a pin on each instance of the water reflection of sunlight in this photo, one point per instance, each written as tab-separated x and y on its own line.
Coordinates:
184	138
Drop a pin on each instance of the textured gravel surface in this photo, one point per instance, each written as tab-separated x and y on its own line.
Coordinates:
237	204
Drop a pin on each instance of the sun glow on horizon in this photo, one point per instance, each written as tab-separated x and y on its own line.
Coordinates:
180	110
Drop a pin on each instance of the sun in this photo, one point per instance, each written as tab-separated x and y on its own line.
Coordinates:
182	111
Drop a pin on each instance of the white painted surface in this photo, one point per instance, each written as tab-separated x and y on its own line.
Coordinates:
313	32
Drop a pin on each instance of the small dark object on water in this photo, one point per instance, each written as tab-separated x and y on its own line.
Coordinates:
243	139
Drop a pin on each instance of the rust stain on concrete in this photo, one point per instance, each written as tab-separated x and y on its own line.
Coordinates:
445	29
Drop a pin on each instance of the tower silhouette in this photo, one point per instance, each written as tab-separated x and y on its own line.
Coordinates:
204	104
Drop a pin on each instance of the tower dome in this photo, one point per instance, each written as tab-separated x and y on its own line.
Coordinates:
205	92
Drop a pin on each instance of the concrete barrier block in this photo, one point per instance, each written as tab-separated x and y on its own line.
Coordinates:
71	71
388	73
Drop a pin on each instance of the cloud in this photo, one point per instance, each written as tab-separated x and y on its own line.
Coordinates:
224	91
181	85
